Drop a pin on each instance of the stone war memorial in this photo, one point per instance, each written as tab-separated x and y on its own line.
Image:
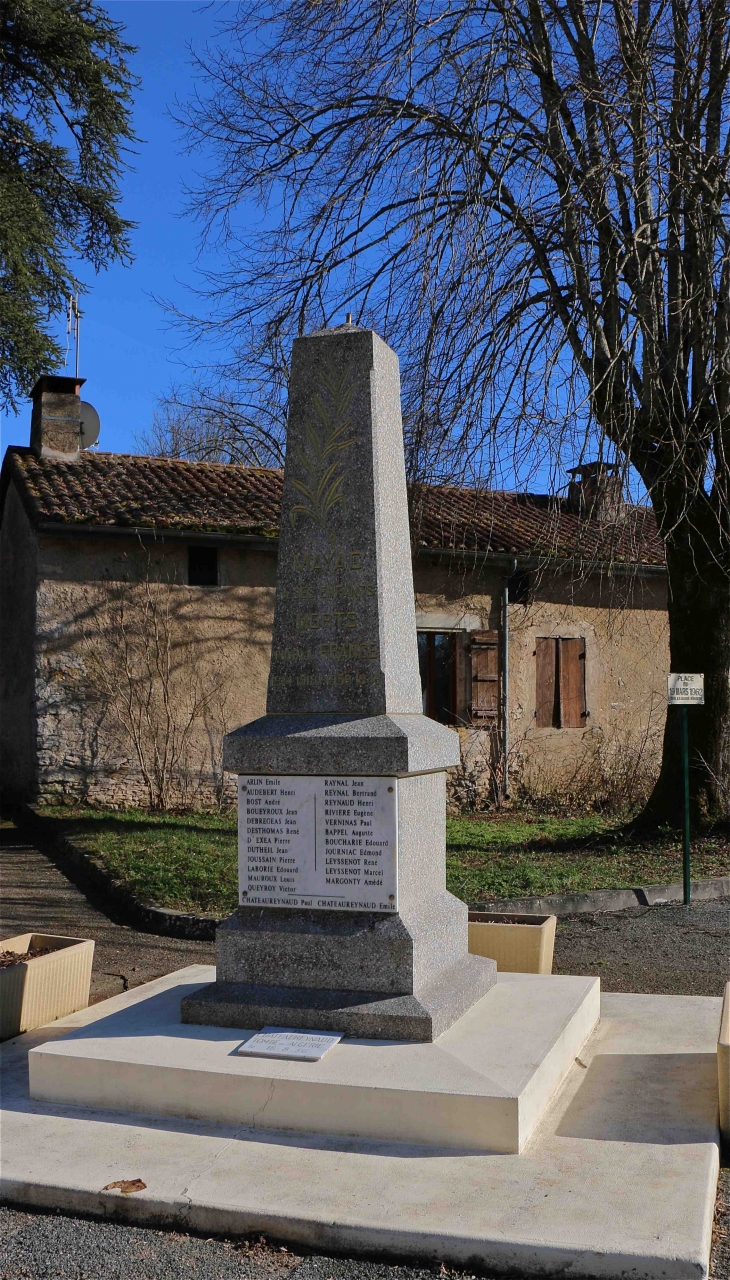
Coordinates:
348	1076
345	923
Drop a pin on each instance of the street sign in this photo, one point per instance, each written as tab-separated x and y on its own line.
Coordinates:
685	690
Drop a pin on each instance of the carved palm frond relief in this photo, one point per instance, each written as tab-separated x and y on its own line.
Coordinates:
318	460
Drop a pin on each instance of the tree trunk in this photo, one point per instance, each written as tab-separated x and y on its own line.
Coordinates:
699	641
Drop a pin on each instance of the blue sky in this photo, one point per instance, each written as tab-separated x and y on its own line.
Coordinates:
129	356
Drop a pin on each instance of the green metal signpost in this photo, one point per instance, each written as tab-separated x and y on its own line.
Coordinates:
685	815
685	691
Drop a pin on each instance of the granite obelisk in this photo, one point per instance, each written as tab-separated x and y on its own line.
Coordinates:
345	923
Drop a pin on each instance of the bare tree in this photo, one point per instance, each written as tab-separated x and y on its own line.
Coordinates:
529	198
234	417
207	424
142	673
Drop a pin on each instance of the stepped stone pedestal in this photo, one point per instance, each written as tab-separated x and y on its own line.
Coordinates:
483	1087
345	923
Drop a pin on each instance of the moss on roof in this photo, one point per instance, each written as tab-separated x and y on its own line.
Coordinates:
127	490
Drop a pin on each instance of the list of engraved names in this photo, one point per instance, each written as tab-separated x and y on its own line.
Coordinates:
322	843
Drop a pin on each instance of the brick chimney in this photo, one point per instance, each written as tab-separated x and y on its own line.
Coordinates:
55	423
596	490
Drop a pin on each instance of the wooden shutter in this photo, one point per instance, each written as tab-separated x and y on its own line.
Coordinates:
547	703
572	662
484	675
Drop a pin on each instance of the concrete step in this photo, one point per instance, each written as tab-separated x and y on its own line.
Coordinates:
481	1086
617	1179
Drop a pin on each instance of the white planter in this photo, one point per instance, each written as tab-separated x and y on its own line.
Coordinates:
723	1067
44	988
519	944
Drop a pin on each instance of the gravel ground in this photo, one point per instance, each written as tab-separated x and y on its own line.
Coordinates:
720	1260
667	949
45	1247
662	950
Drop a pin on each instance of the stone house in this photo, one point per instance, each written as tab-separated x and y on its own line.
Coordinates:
137	596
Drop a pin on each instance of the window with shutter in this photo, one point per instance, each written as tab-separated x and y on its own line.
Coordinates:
484	675
560	682
437	662
572	683
547	705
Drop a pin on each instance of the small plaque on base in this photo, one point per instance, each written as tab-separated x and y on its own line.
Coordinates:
285	1042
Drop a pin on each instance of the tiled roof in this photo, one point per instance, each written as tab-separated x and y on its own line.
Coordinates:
125	490
530	524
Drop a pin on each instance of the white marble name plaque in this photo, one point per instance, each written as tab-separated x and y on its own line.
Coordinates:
321	843
281	1042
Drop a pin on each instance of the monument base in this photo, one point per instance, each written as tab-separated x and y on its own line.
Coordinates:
373	1015
618	1179
483	1086
404	974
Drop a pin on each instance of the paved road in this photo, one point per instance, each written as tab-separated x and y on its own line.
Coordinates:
656	949
36	896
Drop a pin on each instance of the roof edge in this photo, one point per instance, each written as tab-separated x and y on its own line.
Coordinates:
11	474
258	542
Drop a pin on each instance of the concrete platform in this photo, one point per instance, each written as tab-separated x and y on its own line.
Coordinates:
482	1086
618	1178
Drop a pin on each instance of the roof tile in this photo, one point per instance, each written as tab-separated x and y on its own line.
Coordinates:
127	490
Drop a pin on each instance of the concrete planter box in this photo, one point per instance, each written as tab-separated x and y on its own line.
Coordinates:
723	1068
519	943
44	988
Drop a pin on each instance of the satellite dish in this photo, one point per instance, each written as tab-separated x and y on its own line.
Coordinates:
90	425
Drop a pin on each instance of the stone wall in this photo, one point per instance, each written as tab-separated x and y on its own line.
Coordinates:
474	786
18	580
201	671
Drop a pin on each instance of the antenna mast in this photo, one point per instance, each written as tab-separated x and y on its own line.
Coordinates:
73	326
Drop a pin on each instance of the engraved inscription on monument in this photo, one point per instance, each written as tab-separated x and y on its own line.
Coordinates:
328	652
322	843
283	1042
